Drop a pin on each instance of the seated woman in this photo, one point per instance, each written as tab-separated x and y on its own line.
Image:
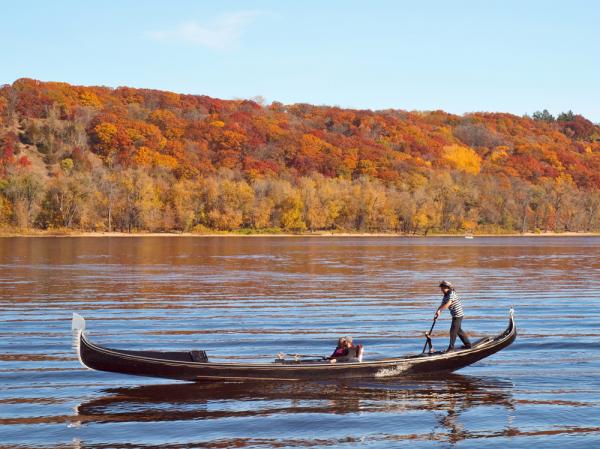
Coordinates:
346	351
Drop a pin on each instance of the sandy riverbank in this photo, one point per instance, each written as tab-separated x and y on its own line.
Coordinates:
70	233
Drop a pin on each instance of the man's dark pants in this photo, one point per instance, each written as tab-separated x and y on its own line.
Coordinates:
455	330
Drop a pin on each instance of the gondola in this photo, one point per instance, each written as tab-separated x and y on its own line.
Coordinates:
195	366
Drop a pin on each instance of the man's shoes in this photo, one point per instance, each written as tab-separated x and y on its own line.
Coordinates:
466	347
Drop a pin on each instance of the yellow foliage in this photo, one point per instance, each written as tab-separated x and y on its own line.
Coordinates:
145	156
233	140
367	167
165	161
421	220
88	98
217	124
463	158
421	162
468	224
135	135
105	132
564	179
5	211
150	158
291	214
500	152
416	180
67	165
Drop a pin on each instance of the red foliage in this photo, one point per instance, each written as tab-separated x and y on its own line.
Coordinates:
24	161
578	128
8	146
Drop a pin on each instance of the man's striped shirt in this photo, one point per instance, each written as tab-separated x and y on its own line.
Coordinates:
455	308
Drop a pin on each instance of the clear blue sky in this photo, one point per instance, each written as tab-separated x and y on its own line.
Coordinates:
460	56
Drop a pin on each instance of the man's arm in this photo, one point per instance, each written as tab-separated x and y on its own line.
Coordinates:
443	306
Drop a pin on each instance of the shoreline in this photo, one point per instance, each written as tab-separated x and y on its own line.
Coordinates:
48	234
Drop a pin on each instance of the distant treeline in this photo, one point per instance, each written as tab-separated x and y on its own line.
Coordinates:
100	159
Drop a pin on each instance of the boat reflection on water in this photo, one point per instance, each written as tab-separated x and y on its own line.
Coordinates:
446	397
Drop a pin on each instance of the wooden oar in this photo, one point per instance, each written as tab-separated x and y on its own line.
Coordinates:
428	337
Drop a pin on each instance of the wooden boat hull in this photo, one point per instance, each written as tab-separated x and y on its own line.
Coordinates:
180	366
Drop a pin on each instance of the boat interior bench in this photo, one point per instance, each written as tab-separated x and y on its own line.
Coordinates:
198	356
182	356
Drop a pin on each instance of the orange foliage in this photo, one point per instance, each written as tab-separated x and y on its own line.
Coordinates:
199	134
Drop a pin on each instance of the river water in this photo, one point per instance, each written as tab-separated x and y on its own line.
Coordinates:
248	298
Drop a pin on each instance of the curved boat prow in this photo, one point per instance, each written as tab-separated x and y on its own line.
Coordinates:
77	323
78	328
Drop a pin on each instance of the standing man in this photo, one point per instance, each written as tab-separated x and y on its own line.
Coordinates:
451	301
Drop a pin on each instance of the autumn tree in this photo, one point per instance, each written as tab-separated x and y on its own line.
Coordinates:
63	201
25	191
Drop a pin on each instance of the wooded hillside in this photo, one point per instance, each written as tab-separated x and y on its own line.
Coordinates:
96	158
